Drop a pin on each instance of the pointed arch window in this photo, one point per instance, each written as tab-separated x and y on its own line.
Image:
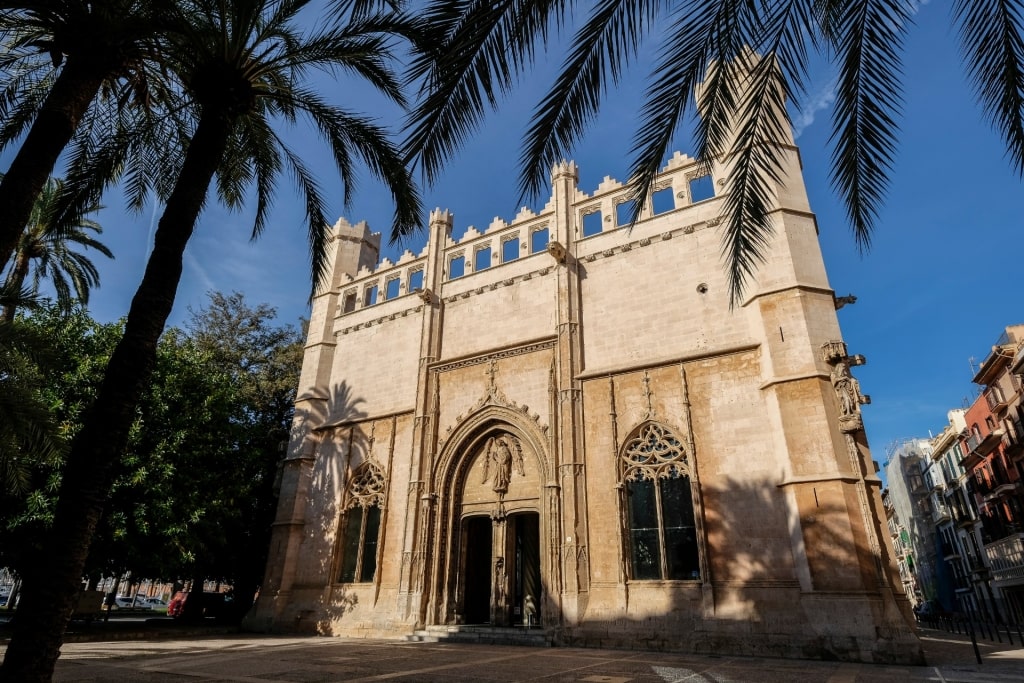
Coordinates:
361	524
659	503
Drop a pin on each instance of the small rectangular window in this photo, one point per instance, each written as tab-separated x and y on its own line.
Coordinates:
624	212
701	188
482	259
663	200
370	296
510	250
539	240
391	288
350	302
592	224
456	267
416	280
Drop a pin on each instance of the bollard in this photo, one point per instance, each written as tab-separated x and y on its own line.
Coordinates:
974	643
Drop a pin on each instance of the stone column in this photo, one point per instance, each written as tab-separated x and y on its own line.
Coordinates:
573	545
415	583
500	570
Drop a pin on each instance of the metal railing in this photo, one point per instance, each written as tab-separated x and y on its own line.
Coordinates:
975	626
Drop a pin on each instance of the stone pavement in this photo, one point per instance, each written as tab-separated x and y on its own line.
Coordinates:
248	658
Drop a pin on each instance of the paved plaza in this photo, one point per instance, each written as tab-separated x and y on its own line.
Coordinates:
247	658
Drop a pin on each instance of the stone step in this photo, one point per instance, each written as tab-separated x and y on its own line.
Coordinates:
487	635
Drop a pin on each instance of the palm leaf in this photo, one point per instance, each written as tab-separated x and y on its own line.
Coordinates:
992	42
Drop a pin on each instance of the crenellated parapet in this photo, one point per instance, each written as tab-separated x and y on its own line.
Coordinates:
486	256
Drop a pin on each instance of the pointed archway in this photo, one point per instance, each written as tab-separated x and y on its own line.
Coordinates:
498	507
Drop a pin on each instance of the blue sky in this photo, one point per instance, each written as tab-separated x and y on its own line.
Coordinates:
933	292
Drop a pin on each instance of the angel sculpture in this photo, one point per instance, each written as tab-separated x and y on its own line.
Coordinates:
504	451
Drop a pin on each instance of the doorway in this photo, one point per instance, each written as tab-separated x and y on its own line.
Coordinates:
477	540
526	568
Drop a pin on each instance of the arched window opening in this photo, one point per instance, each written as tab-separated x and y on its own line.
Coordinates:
662	534
361	524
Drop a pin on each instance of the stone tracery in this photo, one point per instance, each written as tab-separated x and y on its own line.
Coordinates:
366	487
654	453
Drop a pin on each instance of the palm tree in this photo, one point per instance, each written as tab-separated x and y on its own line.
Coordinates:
488	45
48	252
105	48
244	63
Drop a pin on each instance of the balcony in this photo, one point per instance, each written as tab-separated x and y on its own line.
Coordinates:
996	481
1013	439
995	399
962	518
916	484
1006	558
973	457
989	442
950	551
940	513
979	447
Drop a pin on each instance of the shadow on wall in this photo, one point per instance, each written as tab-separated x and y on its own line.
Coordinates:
756	605
343	445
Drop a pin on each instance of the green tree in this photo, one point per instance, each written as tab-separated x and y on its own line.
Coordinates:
105	48
488	45
28	433
260	362
64	381
244	64
220	400
48	252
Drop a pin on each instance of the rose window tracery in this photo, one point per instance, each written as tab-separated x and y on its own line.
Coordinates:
654	453
367	487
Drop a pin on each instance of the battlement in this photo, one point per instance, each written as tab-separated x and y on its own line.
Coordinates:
682	185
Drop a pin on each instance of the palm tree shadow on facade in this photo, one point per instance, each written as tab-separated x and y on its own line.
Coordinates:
326	461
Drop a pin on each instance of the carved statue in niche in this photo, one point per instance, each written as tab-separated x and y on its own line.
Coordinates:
500	454
846	386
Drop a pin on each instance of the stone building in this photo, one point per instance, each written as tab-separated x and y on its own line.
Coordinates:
560	421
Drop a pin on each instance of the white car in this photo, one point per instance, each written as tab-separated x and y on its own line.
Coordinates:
125	602
153	603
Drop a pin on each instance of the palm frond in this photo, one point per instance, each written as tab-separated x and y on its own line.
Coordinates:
992	42
487	44
603	47
266	164
868	38
348	132
700	29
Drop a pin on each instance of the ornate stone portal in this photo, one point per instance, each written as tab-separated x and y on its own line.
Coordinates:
589	433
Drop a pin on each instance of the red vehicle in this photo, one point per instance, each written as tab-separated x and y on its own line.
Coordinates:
212	603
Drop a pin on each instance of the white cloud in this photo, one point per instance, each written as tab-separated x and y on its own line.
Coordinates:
823	99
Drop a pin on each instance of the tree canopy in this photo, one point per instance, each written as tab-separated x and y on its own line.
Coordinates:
220	401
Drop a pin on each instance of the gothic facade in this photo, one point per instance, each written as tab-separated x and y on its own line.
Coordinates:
560	421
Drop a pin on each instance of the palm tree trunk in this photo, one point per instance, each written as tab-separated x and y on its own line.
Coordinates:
49	590
15	279
62	111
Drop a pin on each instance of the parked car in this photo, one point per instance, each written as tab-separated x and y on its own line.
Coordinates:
127	602
154	603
